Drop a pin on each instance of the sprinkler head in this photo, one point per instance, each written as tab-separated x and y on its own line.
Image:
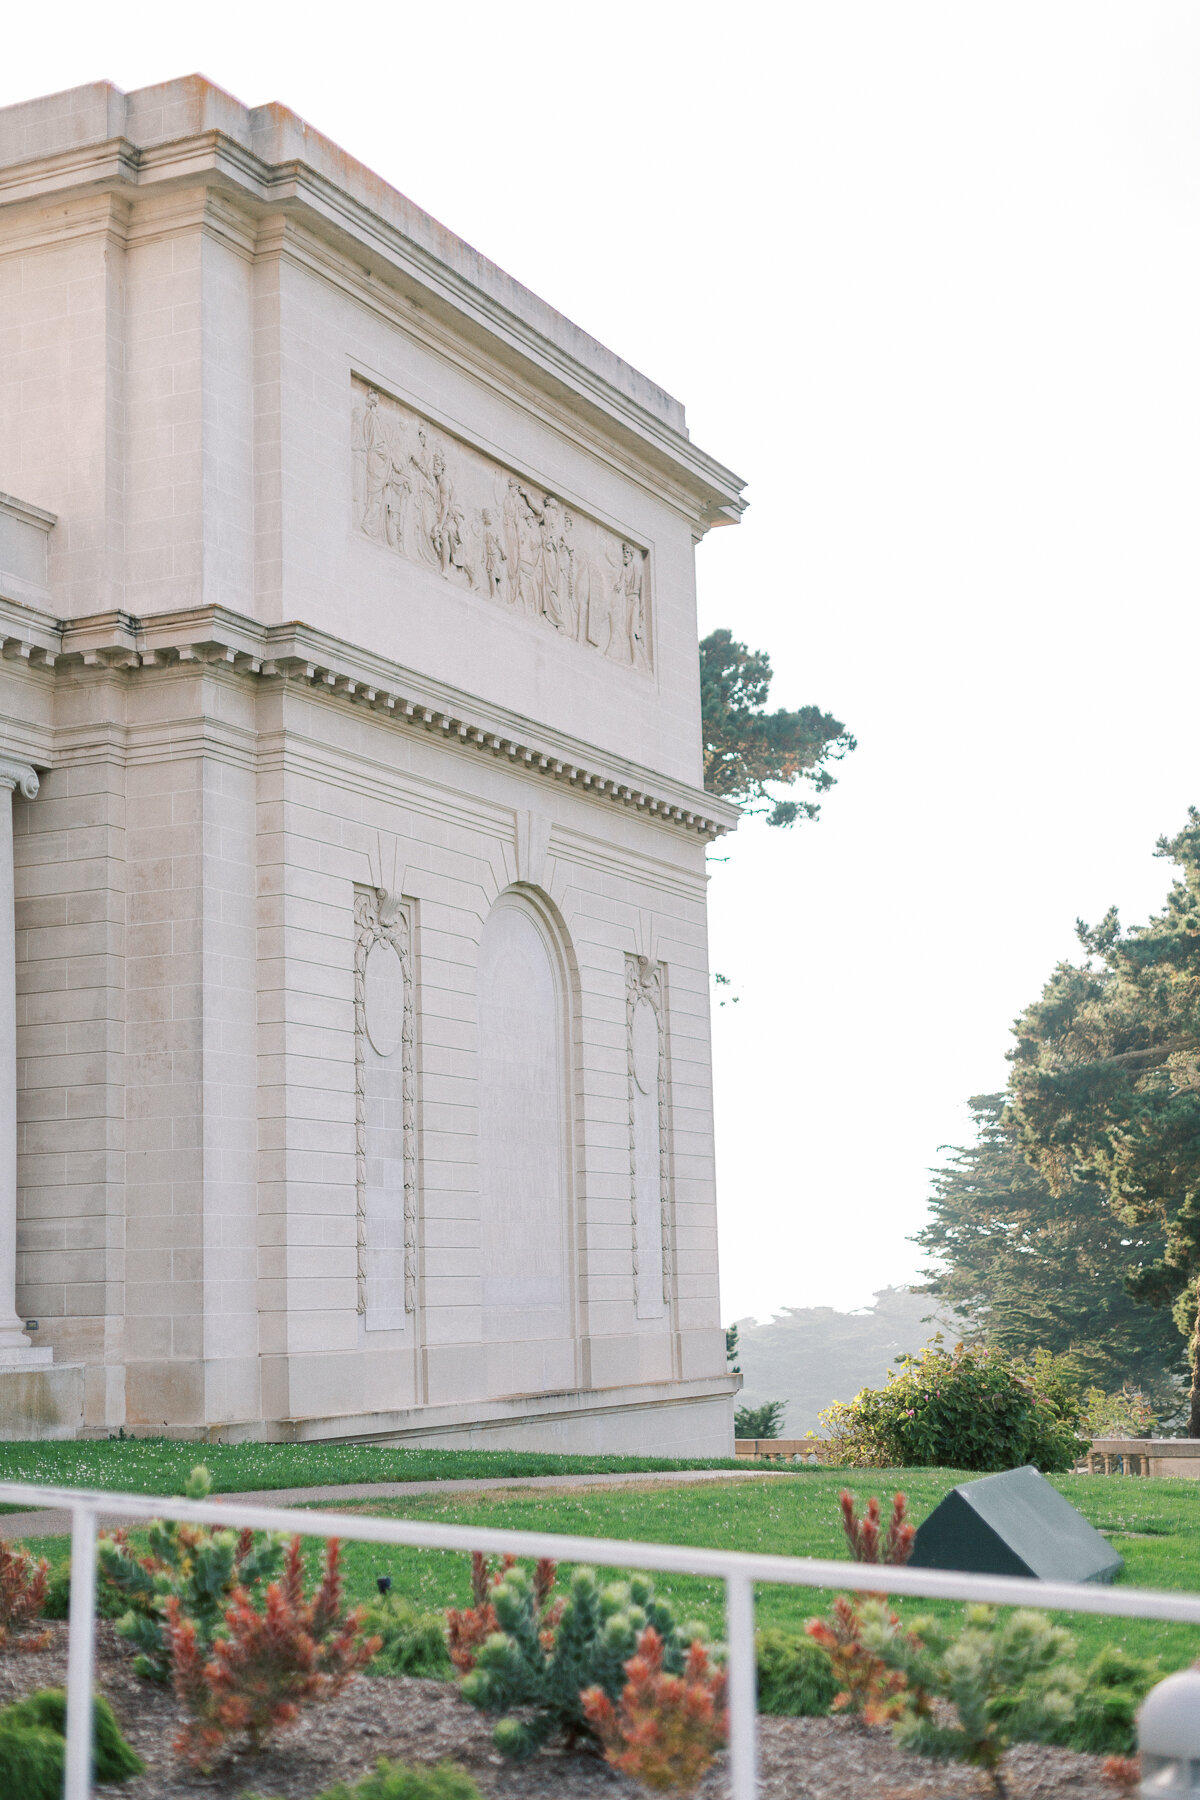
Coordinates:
384	1583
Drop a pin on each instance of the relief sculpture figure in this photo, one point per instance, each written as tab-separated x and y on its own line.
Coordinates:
596	607
494	556
528	519
438	502
448	523
422	485
557	574
632	609
377	459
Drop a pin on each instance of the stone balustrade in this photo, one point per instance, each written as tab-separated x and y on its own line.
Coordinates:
1144	1456
807	1449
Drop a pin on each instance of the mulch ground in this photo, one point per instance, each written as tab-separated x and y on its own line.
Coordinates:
426	1722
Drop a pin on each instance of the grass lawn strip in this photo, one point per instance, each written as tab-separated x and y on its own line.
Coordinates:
162	1465
1154	1524
56	1521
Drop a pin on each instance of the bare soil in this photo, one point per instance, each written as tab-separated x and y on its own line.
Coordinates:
426	1722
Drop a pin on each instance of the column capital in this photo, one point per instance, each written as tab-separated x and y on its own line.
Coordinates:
23	775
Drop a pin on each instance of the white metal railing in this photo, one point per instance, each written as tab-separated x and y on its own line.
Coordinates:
736	1569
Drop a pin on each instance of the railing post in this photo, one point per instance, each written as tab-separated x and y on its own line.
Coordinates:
81	1648
743	1687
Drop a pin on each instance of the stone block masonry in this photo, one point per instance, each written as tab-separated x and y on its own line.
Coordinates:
352	833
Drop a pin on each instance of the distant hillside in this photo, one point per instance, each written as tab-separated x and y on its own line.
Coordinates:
812	1355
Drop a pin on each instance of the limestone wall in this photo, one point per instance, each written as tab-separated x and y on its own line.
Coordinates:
187	1036
347	611
188	335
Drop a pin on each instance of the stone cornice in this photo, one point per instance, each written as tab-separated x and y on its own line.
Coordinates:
28	635
27	513
311	660
372	226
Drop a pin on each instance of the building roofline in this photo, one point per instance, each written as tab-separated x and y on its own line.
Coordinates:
98	136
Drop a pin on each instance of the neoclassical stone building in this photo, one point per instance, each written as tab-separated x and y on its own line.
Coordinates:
355	1078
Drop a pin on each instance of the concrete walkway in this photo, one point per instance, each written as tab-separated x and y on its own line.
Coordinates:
56	1522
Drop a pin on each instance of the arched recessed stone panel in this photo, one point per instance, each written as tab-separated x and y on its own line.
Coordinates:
524	1162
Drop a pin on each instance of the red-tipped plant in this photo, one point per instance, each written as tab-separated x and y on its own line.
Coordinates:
22	1596
668	1728
866	1685
863	1535
271	1664
1122	1771
468	1630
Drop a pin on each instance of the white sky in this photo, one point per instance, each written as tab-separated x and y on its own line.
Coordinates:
928	275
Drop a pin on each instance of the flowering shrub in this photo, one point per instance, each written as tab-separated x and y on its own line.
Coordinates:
668	1728
1125	1414
867	1684
196	1568
862	1535
22	1596
269	1664
969	1408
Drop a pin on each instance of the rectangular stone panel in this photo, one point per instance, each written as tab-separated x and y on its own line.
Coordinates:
448	508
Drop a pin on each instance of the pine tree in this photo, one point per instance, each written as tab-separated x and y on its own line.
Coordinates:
746	748
1028	1269
1106	1085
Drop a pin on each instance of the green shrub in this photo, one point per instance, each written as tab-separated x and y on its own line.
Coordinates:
397	1781
33	1746
1008	1680
547	1652
414	1642
1124	1414
1113	1686
112	1758
795	1676
110	1602
759	1421
191	1564
31	1763
966	1408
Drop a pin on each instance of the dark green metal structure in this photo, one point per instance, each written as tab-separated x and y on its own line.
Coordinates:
1013	1524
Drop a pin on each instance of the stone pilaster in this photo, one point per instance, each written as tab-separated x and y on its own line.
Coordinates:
15	1347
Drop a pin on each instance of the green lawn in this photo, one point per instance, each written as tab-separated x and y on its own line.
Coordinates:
160	1465
1154	1524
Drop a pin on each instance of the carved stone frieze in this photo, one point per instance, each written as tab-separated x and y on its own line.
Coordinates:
444	505
384	1028
646	1047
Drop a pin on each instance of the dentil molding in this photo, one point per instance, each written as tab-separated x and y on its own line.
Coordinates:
213	637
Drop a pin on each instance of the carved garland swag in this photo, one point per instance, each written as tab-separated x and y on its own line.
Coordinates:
381	918
644	981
